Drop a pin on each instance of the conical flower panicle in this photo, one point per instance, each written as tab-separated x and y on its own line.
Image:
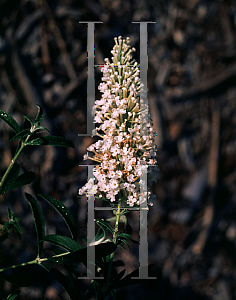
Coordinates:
127	136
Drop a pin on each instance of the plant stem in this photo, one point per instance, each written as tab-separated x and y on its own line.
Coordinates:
11	164
114	241
35	261
23	144
116	225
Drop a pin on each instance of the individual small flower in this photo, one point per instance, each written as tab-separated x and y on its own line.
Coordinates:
113	184
130	178
115	150
92	191
86	156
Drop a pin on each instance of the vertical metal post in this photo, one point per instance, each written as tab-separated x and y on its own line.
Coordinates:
91	232
91	79
143	247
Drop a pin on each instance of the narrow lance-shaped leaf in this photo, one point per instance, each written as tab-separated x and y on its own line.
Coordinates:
64	212
51	140
78	256
24	179
103	223
21	134
10	214
10	121
127	236
29	120
43	128
18	229
12	296
99	238
10	179
38	219
63	241
40	115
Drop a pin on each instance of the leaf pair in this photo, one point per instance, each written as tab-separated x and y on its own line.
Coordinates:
11	224
11	180
14	125
35	125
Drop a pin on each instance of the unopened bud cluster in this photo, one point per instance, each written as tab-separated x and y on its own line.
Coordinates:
127	139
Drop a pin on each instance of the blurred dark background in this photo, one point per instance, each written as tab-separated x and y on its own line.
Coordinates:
192	96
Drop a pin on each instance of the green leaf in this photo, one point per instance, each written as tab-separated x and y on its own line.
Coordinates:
12	224
10	214
13	296
40	115
122	246
79	256
63	241
10	179
5	226
29	120
43	128
64	212
10	121
52	140
103	223
127	236
38	219
18	229
65	282
71	257
24	179
125	242
99	238
21	134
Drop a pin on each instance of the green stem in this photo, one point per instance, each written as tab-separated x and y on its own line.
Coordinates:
11	164
116	225
23	144
114	241
35	261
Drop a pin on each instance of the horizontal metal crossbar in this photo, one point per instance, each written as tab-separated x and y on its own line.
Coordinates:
129	208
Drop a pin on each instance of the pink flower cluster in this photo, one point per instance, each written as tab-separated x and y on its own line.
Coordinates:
124	145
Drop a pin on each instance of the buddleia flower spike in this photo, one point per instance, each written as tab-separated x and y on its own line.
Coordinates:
126	134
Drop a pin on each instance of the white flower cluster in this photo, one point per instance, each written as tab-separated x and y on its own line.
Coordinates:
127	141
